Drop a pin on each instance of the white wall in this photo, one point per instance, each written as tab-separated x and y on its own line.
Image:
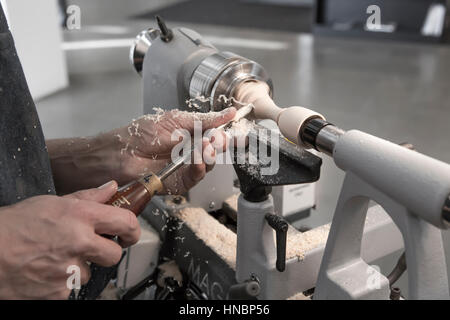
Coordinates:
37	35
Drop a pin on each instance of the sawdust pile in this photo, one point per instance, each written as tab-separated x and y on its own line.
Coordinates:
215	235
223	241
299	296
299	243
240	128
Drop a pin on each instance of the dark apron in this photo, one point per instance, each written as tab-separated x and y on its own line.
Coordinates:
24	163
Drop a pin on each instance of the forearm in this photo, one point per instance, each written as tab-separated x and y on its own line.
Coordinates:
127	153
80	163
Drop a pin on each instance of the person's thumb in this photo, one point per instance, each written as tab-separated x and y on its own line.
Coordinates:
210	120
100	194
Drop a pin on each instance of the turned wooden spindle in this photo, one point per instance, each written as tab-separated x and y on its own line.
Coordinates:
289	120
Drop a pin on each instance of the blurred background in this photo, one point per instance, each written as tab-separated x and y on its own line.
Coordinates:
393	82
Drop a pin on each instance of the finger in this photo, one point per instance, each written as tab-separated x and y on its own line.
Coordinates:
219	139
85	272
100	194
209	154
209	167
104	252
197	171
116	222
194	174
209	120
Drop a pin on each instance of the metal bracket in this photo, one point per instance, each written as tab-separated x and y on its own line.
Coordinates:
345	275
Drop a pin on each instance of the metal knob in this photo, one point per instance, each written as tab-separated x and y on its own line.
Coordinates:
248	290
166	33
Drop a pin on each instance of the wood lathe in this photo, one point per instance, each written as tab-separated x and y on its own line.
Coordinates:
227	243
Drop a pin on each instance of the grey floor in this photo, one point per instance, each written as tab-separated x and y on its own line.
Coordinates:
398	91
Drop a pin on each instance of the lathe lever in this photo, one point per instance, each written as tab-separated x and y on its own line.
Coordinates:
281	227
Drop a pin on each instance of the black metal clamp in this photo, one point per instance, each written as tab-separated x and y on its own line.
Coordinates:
281	227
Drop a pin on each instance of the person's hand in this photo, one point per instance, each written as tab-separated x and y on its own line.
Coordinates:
147	143
127	153
42	236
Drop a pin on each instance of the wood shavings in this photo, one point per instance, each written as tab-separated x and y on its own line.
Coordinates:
159	112
176	113
240	128
203	99
228	102
223	241
179	238
133	129
180	224
231	102
300	243
148	117
214	234
299	296
124	149
156	117
193	103
156	139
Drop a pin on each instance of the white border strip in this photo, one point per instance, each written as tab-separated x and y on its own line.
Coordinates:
97	44
248	43
127	42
